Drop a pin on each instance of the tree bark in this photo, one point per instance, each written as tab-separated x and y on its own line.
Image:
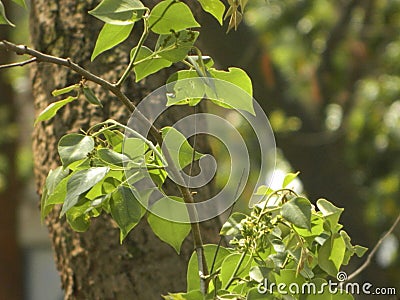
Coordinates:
93	265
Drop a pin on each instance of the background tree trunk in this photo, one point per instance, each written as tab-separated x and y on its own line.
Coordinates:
93	265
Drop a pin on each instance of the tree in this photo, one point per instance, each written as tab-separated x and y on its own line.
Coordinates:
291	234
93	265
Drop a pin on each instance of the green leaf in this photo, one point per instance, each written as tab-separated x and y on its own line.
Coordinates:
180	150
51	110
259	273
150	64
115	139
21	3
331	255
112	158
254	294
119	12
53	179
227	96
172	233
264	190
91	97
193	278
182	92
134	148
125	210
289	178
192	295
215	7
169	16
77	218
298	212
65	90
3	17
80	182
175	46
230	264
73	147
330	212
233	226
110	36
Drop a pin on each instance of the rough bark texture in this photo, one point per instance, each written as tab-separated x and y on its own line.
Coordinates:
93	265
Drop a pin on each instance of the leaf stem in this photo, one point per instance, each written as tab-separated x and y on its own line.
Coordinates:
239	264
142	39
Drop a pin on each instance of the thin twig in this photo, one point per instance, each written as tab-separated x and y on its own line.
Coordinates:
18	64
113	88
372	253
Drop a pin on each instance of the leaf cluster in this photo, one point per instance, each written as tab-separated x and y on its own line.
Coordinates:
285	239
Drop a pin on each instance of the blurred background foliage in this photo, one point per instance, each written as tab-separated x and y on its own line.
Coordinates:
327	73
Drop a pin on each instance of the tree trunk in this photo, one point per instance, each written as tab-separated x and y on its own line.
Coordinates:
93	265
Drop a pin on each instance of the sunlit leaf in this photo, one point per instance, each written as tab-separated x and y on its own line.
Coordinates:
169	16
119	12
149	66
215	7
51	110
110	36
73	147
80	182
172	233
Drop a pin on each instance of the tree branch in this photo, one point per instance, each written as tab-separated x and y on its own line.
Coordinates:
372	253
115	89
18	64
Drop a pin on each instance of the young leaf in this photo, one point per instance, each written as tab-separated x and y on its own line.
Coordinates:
150	65
53	179
238	96
65	90
289	178
3	17
178	147
215	7
170	15
51	110
298	212
110	36
175	46
212	253
119	12
91	97
73	147
172	233
125	210
80	182
330	212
